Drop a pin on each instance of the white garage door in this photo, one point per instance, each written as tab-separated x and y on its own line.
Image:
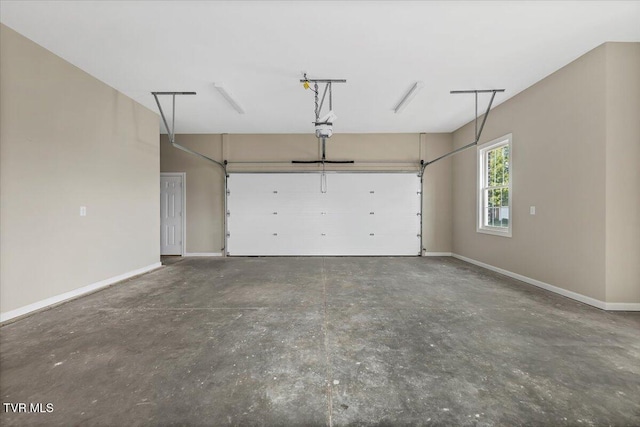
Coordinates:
348	214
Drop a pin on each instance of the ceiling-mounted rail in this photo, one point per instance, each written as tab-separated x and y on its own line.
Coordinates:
171	130
478	132
323	80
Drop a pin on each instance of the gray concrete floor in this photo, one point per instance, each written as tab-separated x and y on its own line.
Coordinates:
323	341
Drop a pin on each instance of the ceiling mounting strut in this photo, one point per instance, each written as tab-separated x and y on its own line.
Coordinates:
478	132
171	130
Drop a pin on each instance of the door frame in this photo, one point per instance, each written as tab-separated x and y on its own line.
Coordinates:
183	176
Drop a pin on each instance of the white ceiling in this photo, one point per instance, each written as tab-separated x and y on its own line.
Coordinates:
257	51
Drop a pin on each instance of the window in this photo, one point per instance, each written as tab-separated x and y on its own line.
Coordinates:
494	187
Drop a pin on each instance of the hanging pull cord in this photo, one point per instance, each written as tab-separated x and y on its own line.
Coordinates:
323	183
323	180
315	87
324	149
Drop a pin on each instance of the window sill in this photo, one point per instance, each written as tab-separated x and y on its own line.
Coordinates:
494	232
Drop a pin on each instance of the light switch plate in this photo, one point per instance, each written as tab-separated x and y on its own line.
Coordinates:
83	211
532	210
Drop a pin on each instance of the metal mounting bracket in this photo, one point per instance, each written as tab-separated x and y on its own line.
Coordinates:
478	132
328	86
171	130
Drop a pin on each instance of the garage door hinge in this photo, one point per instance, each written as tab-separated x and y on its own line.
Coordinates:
228	234
228	192
418	192
419	235
228	213
418	214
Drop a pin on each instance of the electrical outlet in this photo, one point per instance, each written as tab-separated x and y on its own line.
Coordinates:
532	210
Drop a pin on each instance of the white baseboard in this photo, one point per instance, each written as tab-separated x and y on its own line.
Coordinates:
203	254
437	254
564	292
623	306
75	293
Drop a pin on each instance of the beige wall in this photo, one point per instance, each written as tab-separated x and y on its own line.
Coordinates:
437	215
204	189
67	140
623	172
274	152
565	164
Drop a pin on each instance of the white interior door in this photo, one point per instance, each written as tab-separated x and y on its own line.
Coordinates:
356	214
171	215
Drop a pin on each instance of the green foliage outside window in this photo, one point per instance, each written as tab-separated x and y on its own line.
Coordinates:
498	184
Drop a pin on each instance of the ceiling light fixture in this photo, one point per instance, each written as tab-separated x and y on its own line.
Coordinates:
229	99
408	97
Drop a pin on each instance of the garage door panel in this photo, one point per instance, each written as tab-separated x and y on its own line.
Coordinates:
358	214
397	202
280	206
396	223
345	202
292	223
268	183
303	203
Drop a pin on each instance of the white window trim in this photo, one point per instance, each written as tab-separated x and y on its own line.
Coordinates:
480	228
